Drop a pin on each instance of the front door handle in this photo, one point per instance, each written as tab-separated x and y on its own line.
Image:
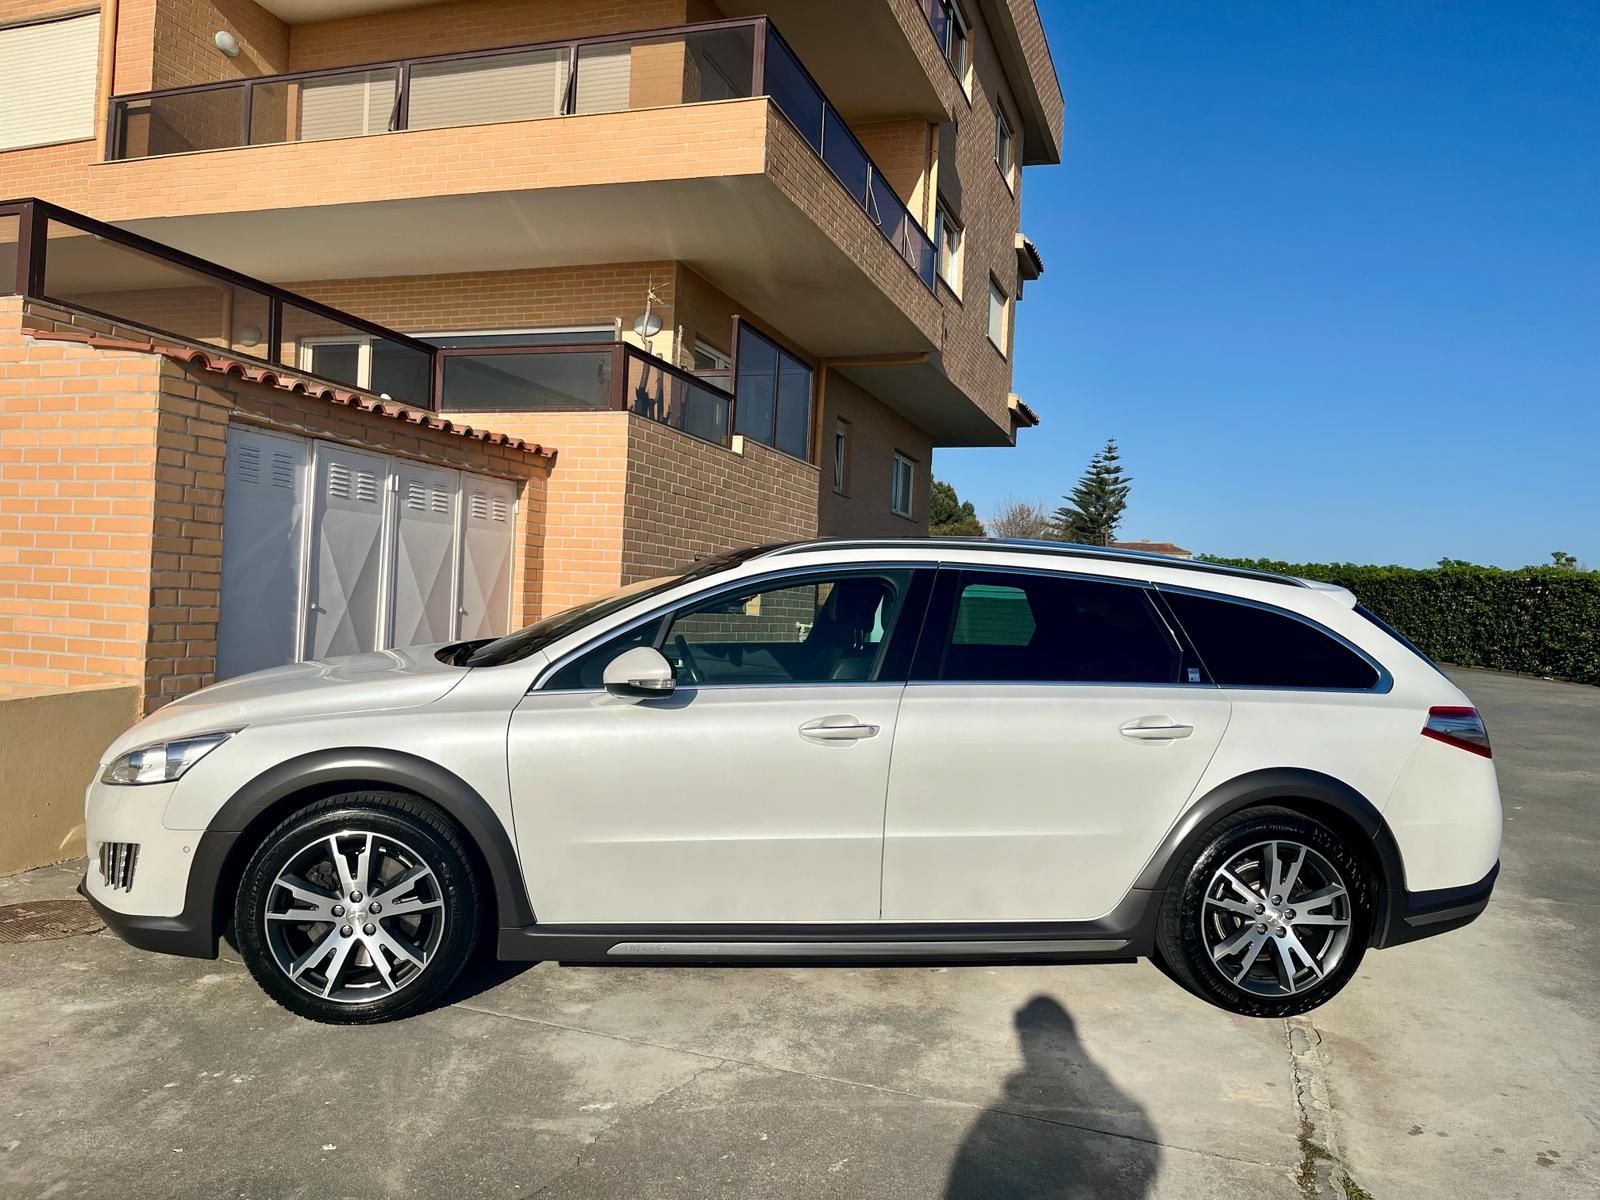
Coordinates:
1155	729
838	728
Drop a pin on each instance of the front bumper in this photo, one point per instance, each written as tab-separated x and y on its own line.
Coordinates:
1411	916
193	931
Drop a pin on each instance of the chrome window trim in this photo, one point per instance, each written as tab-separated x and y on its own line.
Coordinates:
1385	681
711	593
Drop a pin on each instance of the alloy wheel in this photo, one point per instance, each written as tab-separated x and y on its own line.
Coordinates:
1276	918
354	916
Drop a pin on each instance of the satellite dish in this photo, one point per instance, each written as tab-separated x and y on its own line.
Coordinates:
647	324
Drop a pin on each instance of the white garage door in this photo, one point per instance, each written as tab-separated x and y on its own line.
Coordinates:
329	551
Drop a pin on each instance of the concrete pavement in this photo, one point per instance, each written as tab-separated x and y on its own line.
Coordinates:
1463	1066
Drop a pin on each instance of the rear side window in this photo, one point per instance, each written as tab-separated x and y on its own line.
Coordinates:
1245	646
1009	627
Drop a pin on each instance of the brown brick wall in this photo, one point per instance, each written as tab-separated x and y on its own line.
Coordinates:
686	499
903	151
77	485
471	25
876	432
111	491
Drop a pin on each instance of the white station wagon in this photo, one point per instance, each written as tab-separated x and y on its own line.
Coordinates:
909	750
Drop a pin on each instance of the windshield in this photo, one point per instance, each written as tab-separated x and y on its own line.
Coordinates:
533	638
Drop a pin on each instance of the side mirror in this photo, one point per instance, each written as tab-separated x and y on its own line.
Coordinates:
642	673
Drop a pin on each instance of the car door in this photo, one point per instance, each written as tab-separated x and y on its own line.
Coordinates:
755	791
1048	738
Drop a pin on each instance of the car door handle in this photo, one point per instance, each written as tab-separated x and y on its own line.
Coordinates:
841	728
1155	729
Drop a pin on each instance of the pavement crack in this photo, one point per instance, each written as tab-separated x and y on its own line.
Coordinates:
1320	1171
722	1061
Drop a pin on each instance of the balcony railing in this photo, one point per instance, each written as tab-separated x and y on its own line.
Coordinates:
70	261
687	64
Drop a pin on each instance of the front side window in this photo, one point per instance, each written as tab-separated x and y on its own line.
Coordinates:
1246	646
901	489
947	238
1010	627
772	391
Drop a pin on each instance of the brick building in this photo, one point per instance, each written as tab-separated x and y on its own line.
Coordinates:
344	324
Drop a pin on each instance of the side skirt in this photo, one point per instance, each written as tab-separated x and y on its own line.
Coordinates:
1121	936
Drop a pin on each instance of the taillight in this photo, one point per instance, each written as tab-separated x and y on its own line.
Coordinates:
1460	726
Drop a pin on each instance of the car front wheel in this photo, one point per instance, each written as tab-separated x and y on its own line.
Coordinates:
1269	916
359	908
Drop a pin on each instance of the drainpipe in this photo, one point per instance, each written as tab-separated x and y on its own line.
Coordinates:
108	68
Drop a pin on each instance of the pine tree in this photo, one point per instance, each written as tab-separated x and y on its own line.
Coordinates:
949	515
1095	507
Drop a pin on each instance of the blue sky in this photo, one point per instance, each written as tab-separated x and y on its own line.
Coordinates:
1330	272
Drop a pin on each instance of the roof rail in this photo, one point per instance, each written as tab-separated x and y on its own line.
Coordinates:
1027	546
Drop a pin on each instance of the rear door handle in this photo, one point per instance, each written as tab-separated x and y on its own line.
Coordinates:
838	728
1155	729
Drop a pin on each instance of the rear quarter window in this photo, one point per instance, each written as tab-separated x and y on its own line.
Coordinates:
1245	646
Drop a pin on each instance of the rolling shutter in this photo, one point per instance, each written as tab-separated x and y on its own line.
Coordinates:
47	81
347	105
604	78
347	567
501	87
263	524
422	607
488	510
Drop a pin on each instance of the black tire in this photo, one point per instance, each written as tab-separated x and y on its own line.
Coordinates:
1188	920
406	834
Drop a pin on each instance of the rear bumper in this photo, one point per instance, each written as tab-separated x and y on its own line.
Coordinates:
1415	915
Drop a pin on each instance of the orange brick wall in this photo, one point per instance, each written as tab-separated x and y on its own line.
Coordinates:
876	432
183	52
903	151
77	483
471	25
686	499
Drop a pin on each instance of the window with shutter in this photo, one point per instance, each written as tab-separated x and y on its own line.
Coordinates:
47	81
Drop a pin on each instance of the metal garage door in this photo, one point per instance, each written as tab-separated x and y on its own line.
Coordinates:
263	527
329	551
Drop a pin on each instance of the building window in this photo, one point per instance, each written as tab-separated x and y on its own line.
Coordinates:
1005	146
47	80
841	456
950	30
712	365
999	315
901	490
947	240
772	395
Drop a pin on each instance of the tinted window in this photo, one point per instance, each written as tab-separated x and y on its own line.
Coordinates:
1244	646
819	630
1040	628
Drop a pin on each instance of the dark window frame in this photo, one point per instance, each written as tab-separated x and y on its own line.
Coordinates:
1383	683
741	326
901	642
939	626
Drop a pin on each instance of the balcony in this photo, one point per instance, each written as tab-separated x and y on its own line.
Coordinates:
692	65
69	261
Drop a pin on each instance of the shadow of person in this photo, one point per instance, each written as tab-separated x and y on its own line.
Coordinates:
1060	1129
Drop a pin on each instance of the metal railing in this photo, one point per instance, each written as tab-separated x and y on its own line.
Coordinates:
70	261
683	64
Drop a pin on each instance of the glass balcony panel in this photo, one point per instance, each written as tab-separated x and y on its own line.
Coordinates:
352	355
656	72
207	120
520	381
845	157
338	106
794	406
84	270
674	399
9	232
792	91
479	91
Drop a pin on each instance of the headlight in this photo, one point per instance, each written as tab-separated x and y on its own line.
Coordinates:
163	762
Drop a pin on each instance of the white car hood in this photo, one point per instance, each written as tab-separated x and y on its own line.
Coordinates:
382	679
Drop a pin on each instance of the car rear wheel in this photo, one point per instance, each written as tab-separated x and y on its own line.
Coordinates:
1269	915
359	908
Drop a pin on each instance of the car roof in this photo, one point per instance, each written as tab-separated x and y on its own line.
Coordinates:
1058	550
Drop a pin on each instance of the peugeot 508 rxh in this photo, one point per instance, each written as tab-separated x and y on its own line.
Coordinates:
910	750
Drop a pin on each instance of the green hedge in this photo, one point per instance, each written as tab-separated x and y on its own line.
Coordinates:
1535	620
